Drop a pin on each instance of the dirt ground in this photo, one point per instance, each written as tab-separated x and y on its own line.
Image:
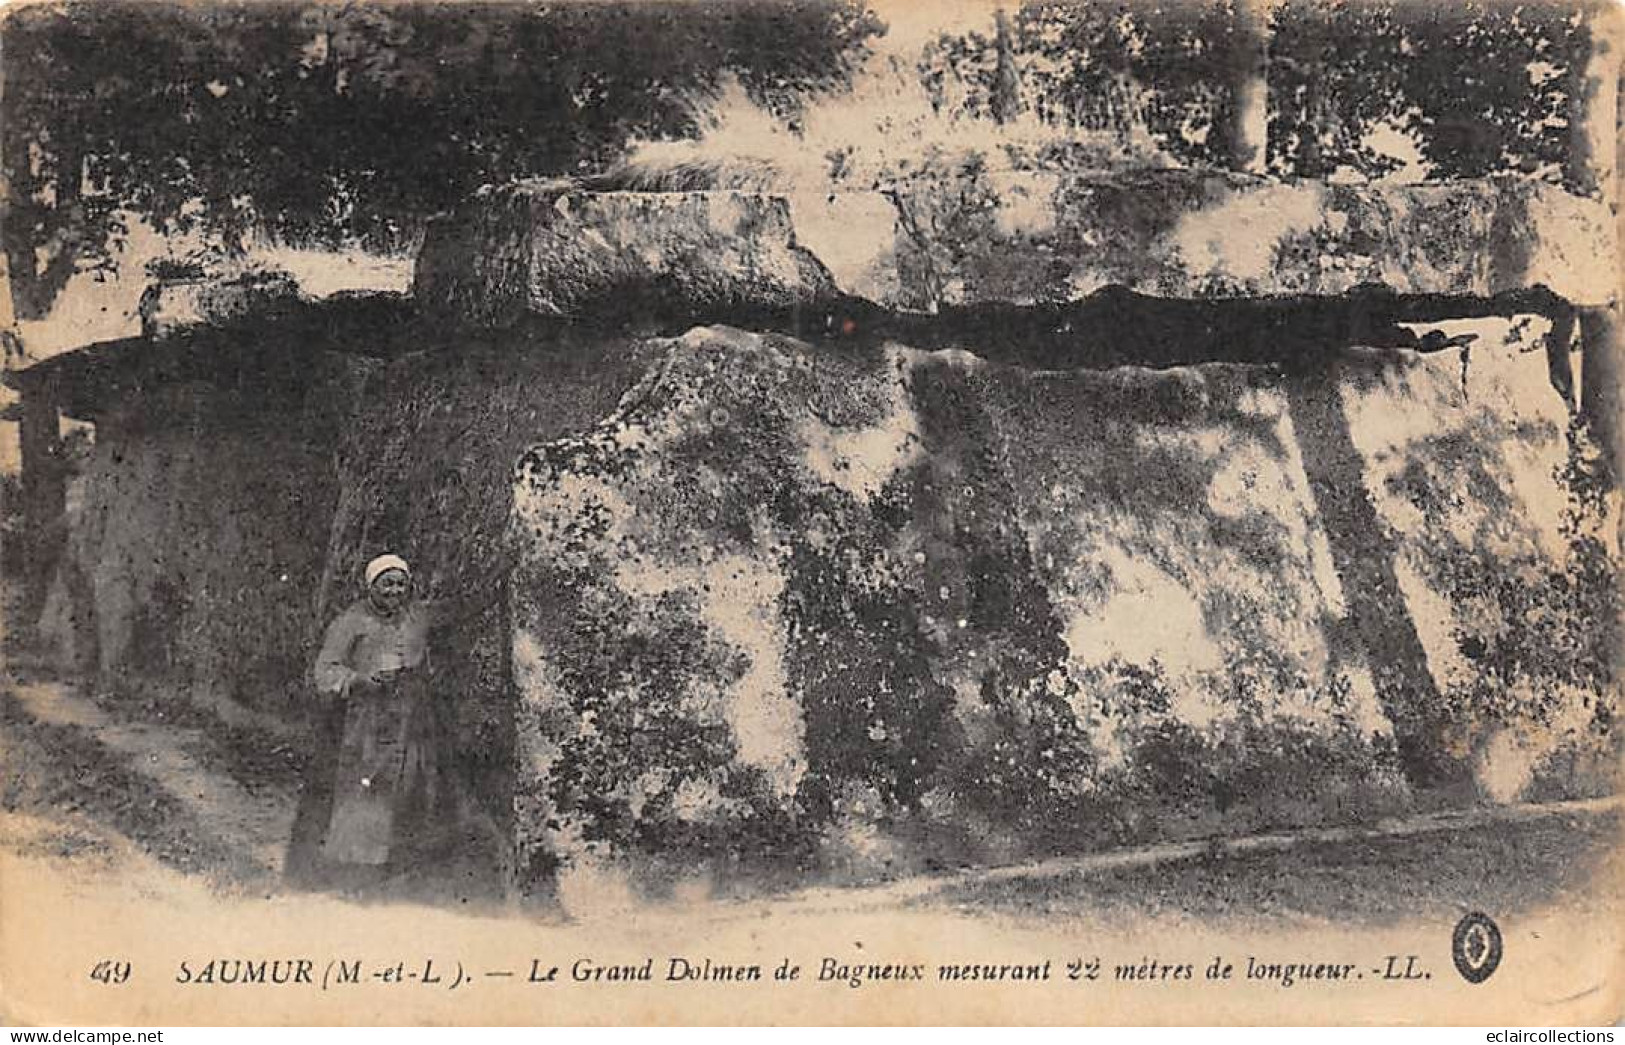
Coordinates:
118	774
95	780
1520	866
130	832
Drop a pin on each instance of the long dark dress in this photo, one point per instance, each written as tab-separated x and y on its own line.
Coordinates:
387	784
375	797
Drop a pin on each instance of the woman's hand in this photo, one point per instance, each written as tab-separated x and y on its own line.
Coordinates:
365	685
382	676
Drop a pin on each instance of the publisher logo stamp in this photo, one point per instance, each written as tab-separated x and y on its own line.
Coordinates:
1476	947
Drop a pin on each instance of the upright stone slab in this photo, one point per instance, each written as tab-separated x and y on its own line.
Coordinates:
792	608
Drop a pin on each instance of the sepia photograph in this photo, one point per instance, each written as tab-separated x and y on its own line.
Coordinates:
788	512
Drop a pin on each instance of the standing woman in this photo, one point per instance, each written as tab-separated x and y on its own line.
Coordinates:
381	767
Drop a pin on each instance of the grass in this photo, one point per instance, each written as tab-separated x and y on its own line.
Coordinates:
1502	868
256	759
58	770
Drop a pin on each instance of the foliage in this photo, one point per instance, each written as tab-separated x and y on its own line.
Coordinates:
1482	86
319	122
1157	68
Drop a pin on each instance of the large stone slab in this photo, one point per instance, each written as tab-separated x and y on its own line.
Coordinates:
1033	239
1016	239
534	249
1503	535
788	607
196	534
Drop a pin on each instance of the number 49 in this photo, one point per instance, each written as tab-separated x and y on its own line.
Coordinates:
110	972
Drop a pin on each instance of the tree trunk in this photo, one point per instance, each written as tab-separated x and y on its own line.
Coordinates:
1247	136
1006	101
44	492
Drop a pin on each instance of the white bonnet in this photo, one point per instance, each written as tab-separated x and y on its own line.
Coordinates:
383	564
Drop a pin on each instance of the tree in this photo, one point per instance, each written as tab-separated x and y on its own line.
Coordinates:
1483	86
1161	67
314	122
1006	94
